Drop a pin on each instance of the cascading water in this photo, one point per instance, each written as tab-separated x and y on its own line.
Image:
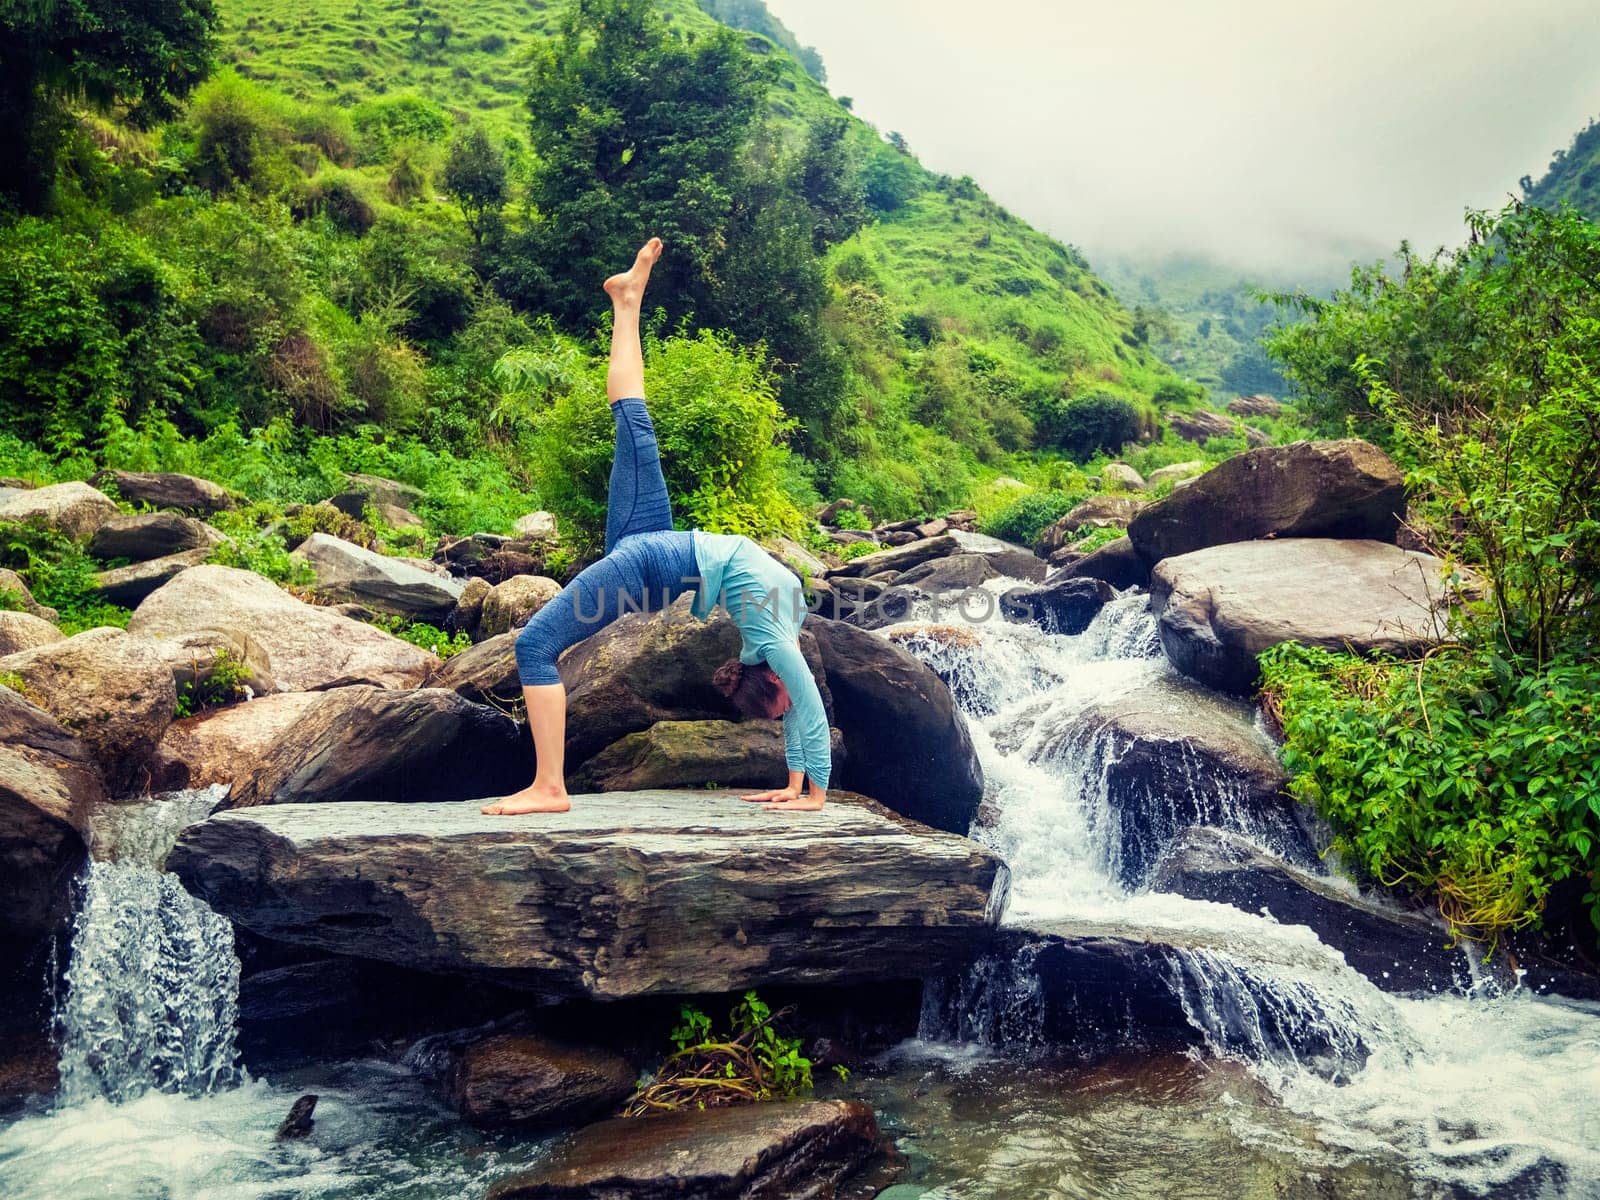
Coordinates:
1472	1093
153	986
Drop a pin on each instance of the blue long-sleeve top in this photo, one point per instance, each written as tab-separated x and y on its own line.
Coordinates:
767	605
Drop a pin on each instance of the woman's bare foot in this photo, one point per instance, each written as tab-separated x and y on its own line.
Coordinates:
532	799
805	802
628	287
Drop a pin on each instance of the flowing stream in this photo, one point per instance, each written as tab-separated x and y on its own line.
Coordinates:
1458	1093
1312	1082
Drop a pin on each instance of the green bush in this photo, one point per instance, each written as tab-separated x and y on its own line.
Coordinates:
1084	425
429	637
719	428
1023	519
1465	777
59	574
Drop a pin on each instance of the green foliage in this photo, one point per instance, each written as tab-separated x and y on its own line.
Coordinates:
59	574
223	684
719	428
1467	776
429	637
475	174
1023	519
1083	425
11	600
256	543
142	59
750	1061
855	549
1573	176
1087	538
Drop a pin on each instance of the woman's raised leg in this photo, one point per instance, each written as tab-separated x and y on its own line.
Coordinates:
625	375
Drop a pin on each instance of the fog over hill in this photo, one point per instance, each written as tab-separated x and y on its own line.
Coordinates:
1278	138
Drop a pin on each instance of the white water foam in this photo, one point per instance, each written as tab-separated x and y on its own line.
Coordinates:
1474	1093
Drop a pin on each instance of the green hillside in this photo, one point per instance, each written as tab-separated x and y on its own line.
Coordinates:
1573	176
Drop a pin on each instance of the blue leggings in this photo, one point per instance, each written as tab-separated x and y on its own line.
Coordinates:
648	563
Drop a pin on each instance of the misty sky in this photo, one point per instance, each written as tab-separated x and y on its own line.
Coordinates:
1269	133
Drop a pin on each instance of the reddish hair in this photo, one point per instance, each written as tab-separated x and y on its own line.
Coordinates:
754	690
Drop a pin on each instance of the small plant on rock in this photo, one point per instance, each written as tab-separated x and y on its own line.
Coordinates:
749	1062
224	684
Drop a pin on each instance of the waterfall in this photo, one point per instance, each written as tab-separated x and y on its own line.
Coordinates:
152	992
1478	1094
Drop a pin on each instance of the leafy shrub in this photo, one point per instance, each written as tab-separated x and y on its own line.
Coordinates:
856	550
256	543
1023	519
222	686
750	1061
1464	776
59	574
1084	425
429	637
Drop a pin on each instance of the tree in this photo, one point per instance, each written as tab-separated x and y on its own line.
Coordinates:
142	58
638	132
475	174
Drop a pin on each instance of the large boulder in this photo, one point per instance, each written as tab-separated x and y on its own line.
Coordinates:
1201	425
898	558
128	586
1171	755
905	743
740	1153
49	784
367	743
75	509
1097	512
144	536
957	572
644	668
347	572
307	648
541	525
1176	473
113	689
1123	476
185	493
225	744
519	1079
1117	563
1341	489
197	658
484	674
1218	608
509	604
628	894
692	754
1255	406
362	490
23	631
1066	605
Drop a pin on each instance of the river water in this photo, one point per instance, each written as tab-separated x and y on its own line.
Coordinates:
1440	1096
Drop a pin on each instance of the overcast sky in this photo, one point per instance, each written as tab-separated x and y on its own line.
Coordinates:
1269	133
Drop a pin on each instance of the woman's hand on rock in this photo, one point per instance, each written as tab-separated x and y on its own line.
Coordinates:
775	796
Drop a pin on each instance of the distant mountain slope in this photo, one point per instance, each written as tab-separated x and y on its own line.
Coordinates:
1573	176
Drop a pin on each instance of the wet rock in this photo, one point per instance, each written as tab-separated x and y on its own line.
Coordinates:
365	743
49	784
362	490
185	493
1174	755
113	689
299	1122
1117	563
1398	951
23	631
10	581
1218	608
1176	472
508	605
128	586
306	647
692	754
906	744
1255	406
1200	425
898	558
1123	476
144	536
953	573
226	743
1065	606
630	893
348	572
740	1153
29	1071
74	509
1338	489
515	1079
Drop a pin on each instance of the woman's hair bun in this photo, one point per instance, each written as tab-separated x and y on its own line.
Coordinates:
726	677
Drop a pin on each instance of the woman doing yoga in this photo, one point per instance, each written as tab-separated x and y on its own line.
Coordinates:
646	559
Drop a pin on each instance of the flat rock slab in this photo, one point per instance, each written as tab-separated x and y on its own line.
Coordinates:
741	1153
630	893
